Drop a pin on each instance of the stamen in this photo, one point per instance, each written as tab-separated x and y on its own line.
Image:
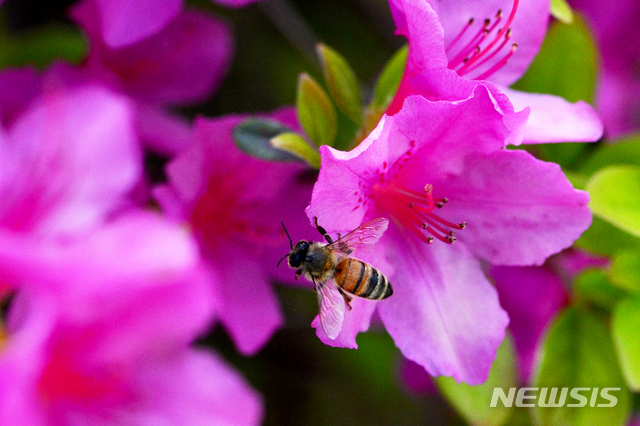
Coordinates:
475	64
460	34
414	211
471	45
499	65
474	55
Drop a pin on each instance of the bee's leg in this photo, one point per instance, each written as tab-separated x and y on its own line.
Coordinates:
322	231
346	297
298	273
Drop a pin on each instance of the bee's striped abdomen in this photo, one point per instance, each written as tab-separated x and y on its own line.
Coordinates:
362	280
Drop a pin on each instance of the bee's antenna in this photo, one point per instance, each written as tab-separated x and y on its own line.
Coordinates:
290	241
283	258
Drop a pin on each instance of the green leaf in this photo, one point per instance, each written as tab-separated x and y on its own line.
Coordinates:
474	402
40	46
561	11
578	352
566	64
316	113
594	287
623	151
253	136
625	324
578	180
614	196
294	144
342	83
605	239
625	270
389	80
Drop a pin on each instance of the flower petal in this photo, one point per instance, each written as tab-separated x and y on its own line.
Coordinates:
198	388
417	21
519	210
419	24
249	308
182	64
443	314
19	86
553	119
123	22
74	158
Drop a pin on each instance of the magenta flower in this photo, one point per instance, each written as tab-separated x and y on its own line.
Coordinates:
121	23
100	331
469	43
182	64
234	204
615	28
500	205
67	164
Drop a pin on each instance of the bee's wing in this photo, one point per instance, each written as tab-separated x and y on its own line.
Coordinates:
367	233
332	307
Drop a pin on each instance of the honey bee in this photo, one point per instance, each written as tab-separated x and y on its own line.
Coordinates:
336	275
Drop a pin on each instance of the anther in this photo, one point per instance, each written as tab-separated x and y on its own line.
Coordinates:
462	225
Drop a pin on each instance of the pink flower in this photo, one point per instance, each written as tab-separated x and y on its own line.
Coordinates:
614	25
122	23
107	298
180	65
444	314
100	331
67	165
449	54
234	204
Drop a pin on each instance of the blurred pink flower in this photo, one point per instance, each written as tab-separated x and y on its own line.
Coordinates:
615	27
444	314
182	64
100	333
234	204
67	165
438	68
121	23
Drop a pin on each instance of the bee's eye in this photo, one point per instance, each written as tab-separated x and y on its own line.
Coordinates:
295	260
298	253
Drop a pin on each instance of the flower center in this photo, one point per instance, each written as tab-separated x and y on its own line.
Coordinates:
223	214
414	211
67	379
477	56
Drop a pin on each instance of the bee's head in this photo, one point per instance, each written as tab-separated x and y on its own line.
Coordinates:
298	253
